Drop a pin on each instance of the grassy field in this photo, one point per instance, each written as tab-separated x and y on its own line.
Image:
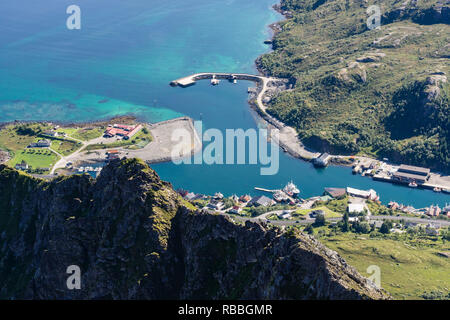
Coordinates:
16	138
36	158
68	131
65	147
328	213
86	134
408	268
12	138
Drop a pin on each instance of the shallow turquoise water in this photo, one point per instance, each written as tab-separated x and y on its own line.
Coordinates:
126	54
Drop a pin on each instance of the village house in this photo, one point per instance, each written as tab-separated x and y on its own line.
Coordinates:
235	210
122	130
433	211
369	194
408	209
40	144
245	199
261	201
393	205
218	195
112	154
235	198
50	133
22	165
216	205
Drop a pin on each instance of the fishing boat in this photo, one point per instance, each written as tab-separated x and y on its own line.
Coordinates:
412	184
215	81
437	189
291	189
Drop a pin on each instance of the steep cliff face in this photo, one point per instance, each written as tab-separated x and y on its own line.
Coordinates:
133	238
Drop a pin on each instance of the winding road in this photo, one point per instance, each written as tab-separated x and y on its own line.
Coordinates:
441	223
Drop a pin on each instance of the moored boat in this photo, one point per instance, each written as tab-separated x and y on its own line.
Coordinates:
412	185
291	189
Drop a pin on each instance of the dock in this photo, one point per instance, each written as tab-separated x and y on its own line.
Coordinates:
192	79
265	190
273	191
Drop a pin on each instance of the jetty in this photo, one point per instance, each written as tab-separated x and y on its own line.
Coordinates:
193	78
288	138
265	190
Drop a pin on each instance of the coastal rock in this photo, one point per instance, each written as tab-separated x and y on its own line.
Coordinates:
439	12
134	238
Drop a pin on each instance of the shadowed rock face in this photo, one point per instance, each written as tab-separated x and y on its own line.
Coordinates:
133	238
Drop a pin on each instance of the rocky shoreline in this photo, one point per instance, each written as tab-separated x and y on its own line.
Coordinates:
288	139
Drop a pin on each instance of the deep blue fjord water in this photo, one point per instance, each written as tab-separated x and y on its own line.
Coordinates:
127	52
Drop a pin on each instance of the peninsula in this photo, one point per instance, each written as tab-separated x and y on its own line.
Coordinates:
46	149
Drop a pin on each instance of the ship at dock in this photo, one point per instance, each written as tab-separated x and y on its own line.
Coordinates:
291	190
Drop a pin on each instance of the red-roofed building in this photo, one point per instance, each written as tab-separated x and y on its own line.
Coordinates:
122	130
112	154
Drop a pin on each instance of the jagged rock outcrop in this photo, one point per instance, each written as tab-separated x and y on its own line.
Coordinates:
134	238
438	12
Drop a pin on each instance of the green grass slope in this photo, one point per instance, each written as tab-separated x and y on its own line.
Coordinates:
383	92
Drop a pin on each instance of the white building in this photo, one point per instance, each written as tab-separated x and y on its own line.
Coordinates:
366	194
355	208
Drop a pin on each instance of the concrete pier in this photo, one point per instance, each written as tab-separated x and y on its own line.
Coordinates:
190	80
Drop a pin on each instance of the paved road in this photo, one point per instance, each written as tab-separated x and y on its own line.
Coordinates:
309	220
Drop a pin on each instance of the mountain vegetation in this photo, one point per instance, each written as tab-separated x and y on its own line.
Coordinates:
383	92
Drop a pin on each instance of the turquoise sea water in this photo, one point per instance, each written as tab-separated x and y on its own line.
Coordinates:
127	52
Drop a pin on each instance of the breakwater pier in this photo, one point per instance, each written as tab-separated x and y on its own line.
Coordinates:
192	79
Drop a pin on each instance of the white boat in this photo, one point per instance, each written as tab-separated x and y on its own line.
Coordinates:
214	81
291	189
437	189
412	185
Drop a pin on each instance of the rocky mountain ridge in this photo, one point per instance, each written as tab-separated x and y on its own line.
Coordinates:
133	237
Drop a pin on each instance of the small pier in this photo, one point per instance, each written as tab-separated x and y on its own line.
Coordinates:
232	77
265	190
